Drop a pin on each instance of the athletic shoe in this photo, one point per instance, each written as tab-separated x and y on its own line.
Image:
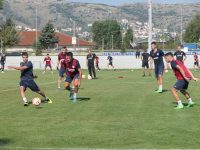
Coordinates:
49	100
190	104
158	91
25	103
74	100
179	107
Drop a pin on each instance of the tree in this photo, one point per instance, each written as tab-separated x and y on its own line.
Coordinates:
128	39
1	4
192	33
38	48
8	34
105	33
47	38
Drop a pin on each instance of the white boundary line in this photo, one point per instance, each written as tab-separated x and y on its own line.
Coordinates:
13	89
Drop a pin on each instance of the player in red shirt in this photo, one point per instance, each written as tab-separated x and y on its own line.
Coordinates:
74	74
61	65
183	76
47	62
97	63
196	61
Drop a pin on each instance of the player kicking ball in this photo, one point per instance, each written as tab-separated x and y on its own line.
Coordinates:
183	76
74	74
27	79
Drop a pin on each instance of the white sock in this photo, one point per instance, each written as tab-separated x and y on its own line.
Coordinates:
75	95
24	99
180	103
190	100
160	87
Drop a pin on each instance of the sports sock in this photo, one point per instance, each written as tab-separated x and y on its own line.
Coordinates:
75	95
160	87
179	103
190	100
24	99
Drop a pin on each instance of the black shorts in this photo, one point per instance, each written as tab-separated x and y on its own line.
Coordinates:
196	63
159	70
29	83
181	85
110	63
145	64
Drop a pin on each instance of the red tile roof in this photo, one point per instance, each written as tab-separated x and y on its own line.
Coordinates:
27	38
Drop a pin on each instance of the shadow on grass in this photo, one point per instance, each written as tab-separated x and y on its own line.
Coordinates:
83	98
184	104
4	141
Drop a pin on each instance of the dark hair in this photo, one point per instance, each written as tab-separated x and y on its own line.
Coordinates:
64	47
69	54
25	54
153	43
180	45
169	54
47	54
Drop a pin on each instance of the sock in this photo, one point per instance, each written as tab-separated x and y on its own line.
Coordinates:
24	99
160	87
179	103
189	100
75	95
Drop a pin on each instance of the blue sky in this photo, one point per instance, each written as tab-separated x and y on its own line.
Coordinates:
120	2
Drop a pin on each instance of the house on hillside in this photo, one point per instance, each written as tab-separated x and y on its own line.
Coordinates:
27	39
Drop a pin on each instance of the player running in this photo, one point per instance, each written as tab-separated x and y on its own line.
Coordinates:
47	62
110	63
97	63
145	62
183	76
157	55
74	74
27	79
196	61
180	55
3	60
61	65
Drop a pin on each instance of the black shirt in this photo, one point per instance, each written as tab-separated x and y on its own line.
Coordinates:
158	57
91	58
27	74
145	57
110	58
3	57
179	55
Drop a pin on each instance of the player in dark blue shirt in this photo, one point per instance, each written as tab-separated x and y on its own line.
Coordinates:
27	79
157	57
145	62
110	59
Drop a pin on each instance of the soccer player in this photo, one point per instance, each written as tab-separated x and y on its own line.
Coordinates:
180	55
47	62
157	56
196	61
61	65
27	79
183	76
3	60
145	62
90	64
74	74
110	59
97	63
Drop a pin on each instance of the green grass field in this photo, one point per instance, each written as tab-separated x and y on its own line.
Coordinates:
111	113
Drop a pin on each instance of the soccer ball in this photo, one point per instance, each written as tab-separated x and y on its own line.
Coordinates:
89	77
36	101
166	71
83	76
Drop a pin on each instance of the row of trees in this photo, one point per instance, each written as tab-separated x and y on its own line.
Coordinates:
1	4
107	35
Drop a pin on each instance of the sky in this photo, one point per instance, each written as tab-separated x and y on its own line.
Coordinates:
121	2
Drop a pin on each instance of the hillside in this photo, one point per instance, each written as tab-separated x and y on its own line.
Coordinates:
60	12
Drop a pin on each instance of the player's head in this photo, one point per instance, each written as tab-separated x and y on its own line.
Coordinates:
169	57
47	54
90	51
145	50
180	47
153	45
25	56
64	49
69	56
195	53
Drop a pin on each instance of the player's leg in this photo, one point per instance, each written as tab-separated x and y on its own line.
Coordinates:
186	94
45	68
51	69
22	90
61	76
93	71
76	81
90	70
67	86
159	72
148	69
176	96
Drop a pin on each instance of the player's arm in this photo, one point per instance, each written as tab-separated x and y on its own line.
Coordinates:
185	57
18	68
191	74
80	77
183	73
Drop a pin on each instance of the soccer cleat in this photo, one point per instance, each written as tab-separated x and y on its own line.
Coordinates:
49	100
179	107
74	100
190	104
158	91
25	103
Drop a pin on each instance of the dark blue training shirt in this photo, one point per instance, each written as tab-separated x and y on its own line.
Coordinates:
27	73
110	58
157	57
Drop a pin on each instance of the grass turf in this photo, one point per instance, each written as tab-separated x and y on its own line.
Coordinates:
111	112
